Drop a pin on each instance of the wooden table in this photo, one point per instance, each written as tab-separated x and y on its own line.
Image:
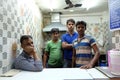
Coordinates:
115	79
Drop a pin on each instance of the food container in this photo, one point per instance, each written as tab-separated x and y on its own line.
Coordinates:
114	61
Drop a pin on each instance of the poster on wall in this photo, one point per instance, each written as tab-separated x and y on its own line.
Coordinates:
114	10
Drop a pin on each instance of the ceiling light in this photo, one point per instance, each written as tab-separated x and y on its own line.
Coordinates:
71	10
90	3
50	4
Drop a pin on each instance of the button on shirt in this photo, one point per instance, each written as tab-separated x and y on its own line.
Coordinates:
25	62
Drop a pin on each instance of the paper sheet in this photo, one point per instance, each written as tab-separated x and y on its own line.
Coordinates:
97	75
10	73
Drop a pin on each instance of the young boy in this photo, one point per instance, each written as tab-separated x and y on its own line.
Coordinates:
67	40
53	51
83	45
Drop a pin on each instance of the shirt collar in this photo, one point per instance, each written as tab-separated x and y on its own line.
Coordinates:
72	34
26	55
81	38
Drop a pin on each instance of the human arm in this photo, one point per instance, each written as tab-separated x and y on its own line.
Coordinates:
45	58
66	45
94	59
73	57
28	64
38	63
29	59
35	56
46	54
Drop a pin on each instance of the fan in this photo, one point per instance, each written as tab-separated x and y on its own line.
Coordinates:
70	4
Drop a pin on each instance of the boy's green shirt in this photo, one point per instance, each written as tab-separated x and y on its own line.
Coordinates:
55	53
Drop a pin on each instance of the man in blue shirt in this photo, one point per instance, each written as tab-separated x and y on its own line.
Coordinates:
67	40
28	59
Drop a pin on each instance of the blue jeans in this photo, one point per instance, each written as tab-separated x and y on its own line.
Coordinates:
67	63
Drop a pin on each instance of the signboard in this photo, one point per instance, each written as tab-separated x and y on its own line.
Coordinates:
114	9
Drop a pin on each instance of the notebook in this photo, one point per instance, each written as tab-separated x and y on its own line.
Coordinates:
107	72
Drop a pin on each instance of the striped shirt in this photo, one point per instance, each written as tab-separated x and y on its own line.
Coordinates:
83	50
25	62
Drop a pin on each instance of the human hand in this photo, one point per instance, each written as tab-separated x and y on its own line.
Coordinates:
29	49
87	66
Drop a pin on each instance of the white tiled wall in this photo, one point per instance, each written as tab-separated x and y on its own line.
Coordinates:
18	17
116	39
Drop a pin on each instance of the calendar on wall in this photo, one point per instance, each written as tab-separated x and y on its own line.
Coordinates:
114	10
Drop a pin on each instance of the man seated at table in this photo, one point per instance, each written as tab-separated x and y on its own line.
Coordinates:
28	60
